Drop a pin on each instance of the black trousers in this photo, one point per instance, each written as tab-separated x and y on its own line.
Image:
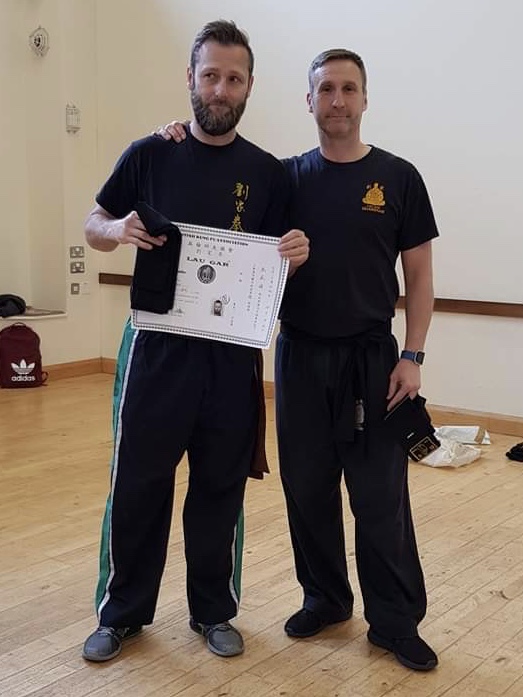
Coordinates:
318	445
175	395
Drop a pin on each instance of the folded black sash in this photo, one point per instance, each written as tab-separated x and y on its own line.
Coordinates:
409	424
155	270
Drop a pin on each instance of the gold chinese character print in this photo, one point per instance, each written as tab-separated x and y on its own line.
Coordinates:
374	199
241	194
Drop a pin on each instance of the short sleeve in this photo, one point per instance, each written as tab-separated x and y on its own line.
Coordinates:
119	194
418	222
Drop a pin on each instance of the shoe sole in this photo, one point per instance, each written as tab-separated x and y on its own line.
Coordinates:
304	635
389	646
102	659
224	654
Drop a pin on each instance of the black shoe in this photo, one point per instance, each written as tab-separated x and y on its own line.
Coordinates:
106	642
306	623
411	652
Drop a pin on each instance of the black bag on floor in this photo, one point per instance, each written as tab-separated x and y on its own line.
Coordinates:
516	452
11	305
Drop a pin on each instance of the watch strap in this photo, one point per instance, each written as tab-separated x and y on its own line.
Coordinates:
414	356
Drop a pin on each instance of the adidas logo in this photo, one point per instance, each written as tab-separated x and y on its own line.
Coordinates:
23	372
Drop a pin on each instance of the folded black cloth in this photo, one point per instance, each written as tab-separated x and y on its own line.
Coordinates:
155	270
516	452
409	424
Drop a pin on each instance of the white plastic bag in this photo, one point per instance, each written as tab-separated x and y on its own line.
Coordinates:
451	454
475	435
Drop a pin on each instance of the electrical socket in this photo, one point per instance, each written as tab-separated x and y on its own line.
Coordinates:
75	289
77	252
77	267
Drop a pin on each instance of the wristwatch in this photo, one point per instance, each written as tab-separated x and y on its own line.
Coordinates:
414	356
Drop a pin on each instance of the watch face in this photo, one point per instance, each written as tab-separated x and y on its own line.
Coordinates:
414	356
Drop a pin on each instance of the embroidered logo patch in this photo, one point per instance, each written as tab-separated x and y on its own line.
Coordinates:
374	199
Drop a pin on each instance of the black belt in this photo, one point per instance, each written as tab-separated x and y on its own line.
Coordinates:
351	384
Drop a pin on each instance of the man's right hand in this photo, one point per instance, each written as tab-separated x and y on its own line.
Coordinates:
131	230
174	130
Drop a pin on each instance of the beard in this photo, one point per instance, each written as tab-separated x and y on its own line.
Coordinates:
216	124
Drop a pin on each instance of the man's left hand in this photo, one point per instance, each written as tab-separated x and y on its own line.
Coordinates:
294	246
404	380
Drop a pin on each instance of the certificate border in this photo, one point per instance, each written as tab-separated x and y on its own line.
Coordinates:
190	230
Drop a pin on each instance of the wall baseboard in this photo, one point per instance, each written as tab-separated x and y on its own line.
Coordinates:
75	369
108	365
495	423
268	388
449	416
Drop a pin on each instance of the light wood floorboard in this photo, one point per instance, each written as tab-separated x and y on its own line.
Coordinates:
55	447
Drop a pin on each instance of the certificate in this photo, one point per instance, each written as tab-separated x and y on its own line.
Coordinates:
229	288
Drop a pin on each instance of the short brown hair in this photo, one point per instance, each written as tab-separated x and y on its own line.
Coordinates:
225	33
337	54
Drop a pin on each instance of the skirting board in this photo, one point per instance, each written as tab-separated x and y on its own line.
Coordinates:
447	416
495	423
75	369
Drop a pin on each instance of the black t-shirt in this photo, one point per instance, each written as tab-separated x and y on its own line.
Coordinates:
237	186
358	216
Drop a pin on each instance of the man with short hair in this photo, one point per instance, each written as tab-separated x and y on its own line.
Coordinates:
175	394
338	369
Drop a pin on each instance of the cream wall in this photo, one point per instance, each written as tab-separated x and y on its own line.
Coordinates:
123	62
15	274
141	79
473	362
48	175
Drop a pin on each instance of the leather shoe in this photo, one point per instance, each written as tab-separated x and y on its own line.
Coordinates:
222	638
412	652
305	623
106	642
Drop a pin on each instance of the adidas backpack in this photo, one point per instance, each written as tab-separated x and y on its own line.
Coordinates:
20	357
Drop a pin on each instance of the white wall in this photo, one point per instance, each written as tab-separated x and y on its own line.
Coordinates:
142	52
48	175
472	362
45	170
443	92
15	274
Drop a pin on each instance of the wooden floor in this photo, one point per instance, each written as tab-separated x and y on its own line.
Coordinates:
54	452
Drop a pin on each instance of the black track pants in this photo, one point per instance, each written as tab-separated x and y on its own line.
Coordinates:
172	395
314	455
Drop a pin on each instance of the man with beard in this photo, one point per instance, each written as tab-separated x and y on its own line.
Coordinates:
175	394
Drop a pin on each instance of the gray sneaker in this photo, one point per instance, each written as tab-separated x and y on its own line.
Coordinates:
222	638
106	642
